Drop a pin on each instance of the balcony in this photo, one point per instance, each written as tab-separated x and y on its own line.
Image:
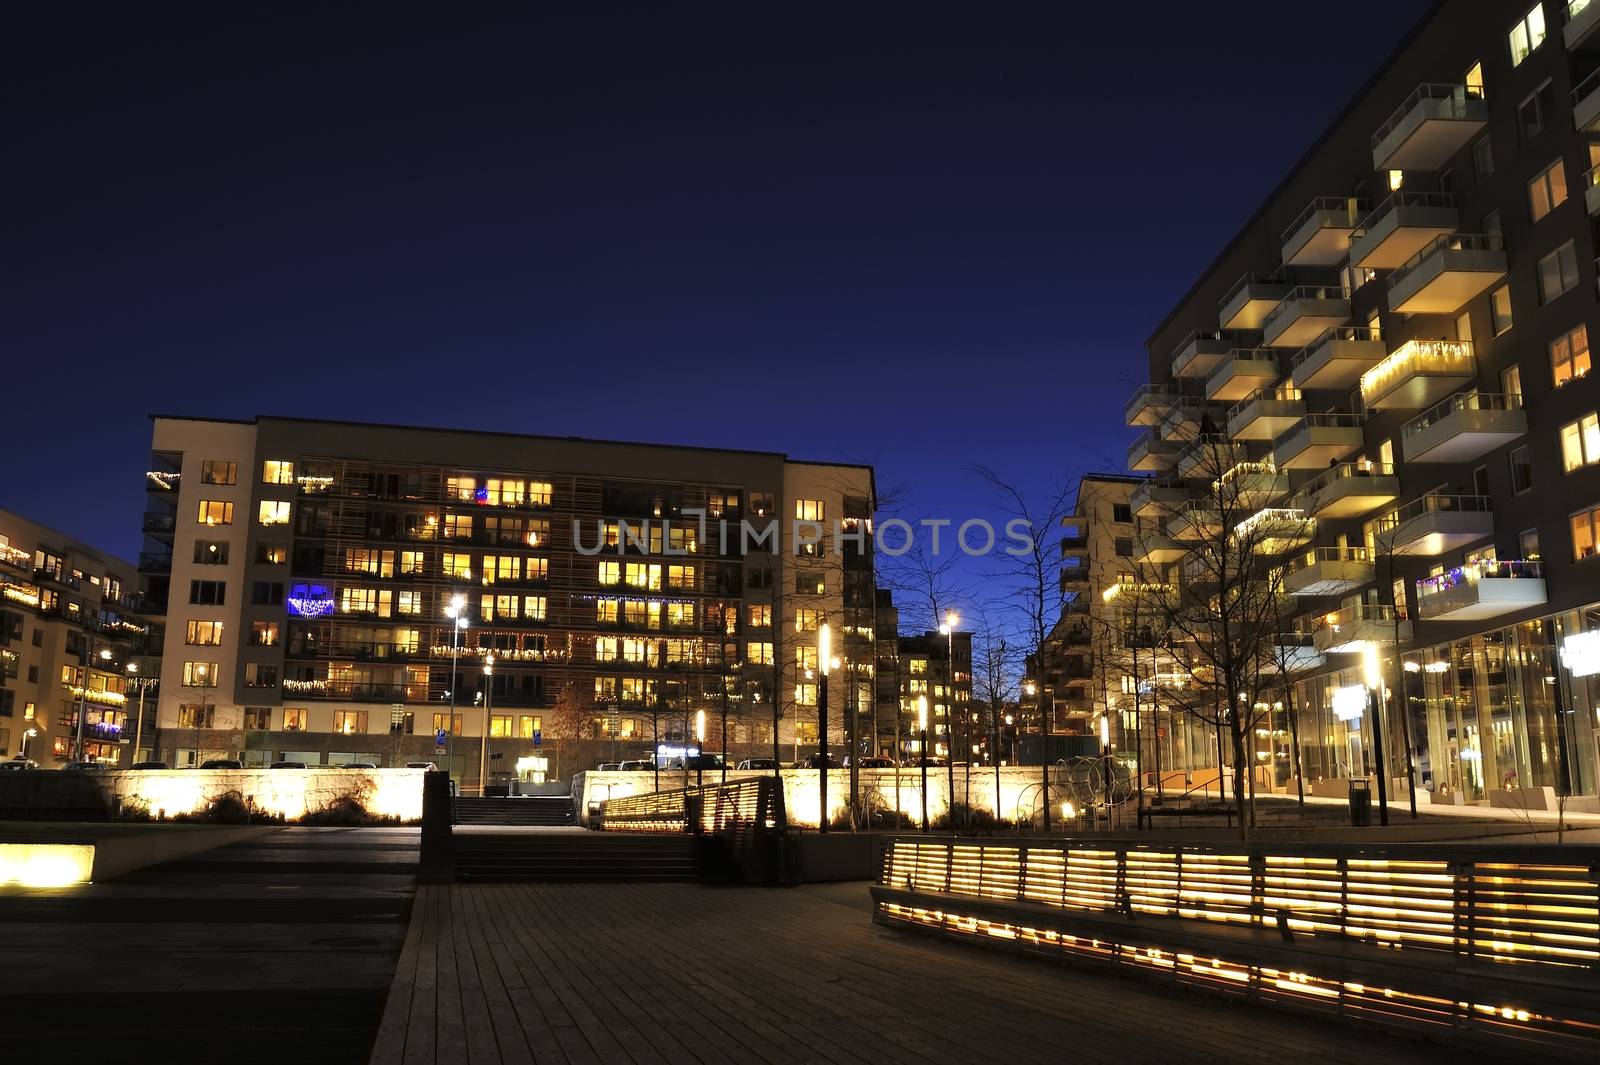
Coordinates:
1250	299
1401	226
1196	519
1582	18
1265	413
1185	419
1350	490
1317	440
1591	190
1294	652
1241	372
1252	484
1148	403
1463	427
1305	314
1201	350
1150	453
1418	374
1209	456
1431	125
1586	104
155	563
1435	524
1275	530
159	522
1481	590
1336	359
1157	549
1323	571
1320	236
1348	630
1152	499
1447	273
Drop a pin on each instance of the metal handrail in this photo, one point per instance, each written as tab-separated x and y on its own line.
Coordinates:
1446	242
1312	556
1461	401
1338	332
1457	95
1404	198
1353	209
1246	281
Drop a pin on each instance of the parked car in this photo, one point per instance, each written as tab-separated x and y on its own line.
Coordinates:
815	762
757	763
83	767
287	765
876	762
359	765
18	764
429	766
637	765
222	763
608	767
697	761
149	765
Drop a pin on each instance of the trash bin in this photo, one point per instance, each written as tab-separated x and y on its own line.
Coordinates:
1360	803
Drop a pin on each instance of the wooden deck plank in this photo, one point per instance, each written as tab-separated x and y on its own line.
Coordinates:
389	1047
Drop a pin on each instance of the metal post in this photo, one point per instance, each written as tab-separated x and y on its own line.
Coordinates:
822	744
1377	752
1044	759
924	759
483	746
138	723
83	689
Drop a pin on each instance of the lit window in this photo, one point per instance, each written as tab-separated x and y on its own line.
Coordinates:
203	634
500	725
760	615
458	527
680	577
447	723
1580	442
412	562
1583	532
759	652
1547	191
456	565
539	493
274	512
199	674
1527	34
1569	355
263	633
294	718
215	512
408	603
807	620
534	607
805	694
605	648
808	510
605	611
349	722
610	573
277	471
216	471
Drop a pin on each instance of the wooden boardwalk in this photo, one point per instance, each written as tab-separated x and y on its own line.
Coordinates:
668	974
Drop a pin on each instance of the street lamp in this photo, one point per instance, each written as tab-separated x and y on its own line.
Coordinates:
700	742
27	734
1105	754
1372	677
141	684
458	621
488	706
948	631
922	726
824	655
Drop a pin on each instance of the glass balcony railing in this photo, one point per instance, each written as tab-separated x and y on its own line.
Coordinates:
1446	243
1467	401
1472	572
1434	503
1449	358
1328	336
1345	471
1316	556
1333	212
1335	420
1282	394
1446	101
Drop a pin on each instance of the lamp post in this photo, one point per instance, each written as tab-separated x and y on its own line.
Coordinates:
922	726
700	742
1372	676
458	621
27	734
142	684
488	707
824	650
1105	758
83	694
948	631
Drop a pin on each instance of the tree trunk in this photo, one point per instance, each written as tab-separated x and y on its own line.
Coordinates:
1241	768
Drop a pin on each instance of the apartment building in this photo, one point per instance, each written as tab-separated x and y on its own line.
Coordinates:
350	592
1395	351
937	666
72	644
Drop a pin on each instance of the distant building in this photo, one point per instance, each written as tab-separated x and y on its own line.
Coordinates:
71	642
938	667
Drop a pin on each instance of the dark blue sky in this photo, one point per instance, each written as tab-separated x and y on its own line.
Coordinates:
914	236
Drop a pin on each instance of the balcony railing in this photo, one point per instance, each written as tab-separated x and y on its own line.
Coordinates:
1418	135
1418	358
1148	400
1480	590
155	521
1315	303
1327	212
1456	100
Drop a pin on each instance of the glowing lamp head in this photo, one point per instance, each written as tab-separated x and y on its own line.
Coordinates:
488	665
105	654
1371	668
1105	729
824	648
950	619
133	667
458	603
922	712
700	726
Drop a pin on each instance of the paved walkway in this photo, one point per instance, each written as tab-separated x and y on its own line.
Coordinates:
632	974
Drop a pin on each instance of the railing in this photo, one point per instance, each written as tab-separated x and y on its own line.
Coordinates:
1327	336
1163	393
1318	555
1282	394
1335	420
1342	472
1405	198
1468	943
1245	282
158	522
1348	211
1242	357
1444	357
1586	86
1462	401
1434	503
1290	300
153	563
1446	242
1231	337
1473	572
746	814
1349	615
1455	96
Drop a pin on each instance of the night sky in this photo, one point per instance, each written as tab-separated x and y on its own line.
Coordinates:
920	237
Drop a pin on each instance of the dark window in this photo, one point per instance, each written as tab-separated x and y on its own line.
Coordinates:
38	637
266	593
1482	158
1558	272
211	552
33	674
763	505
1124	546
760	578
258	718
1122	512
208	593
7	702
1447	182
1535	112
1480	480
1521	469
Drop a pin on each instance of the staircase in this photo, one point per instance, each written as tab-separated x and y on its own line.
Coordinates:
573	857
524	810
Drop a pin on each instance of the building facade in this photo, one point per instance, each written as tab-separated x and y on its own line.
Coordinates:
73	642
350	592
1395	351
937	666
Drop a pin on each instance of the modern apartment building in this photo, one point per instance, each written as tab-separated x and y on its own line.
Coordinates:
348	592
937	666
1395	350
72	642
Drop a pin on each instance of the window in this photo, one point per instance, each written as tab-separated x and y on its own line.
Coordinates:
501	568
809	583
412	563
273	512
1511	383
1397	178
458	527
1482	159
1122	512
500	725
1536	111
1500	309
762	504
203	634
528	724
1521	469
1527	34
808	510
610	573
1569	355
1123	545
1583	532
1480	481
266	593
272	553
447	723
402	723
760	615
196	715
294	718
208	593
199	674
211	552
1547	191
264	633
216	471
365	601
456	565
540	493
1558	272
215	512
807	620
1464	326
277	471
370	561
680	577
605	648
408	603
349	722
1580	443
1528	544
260	675
258	718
